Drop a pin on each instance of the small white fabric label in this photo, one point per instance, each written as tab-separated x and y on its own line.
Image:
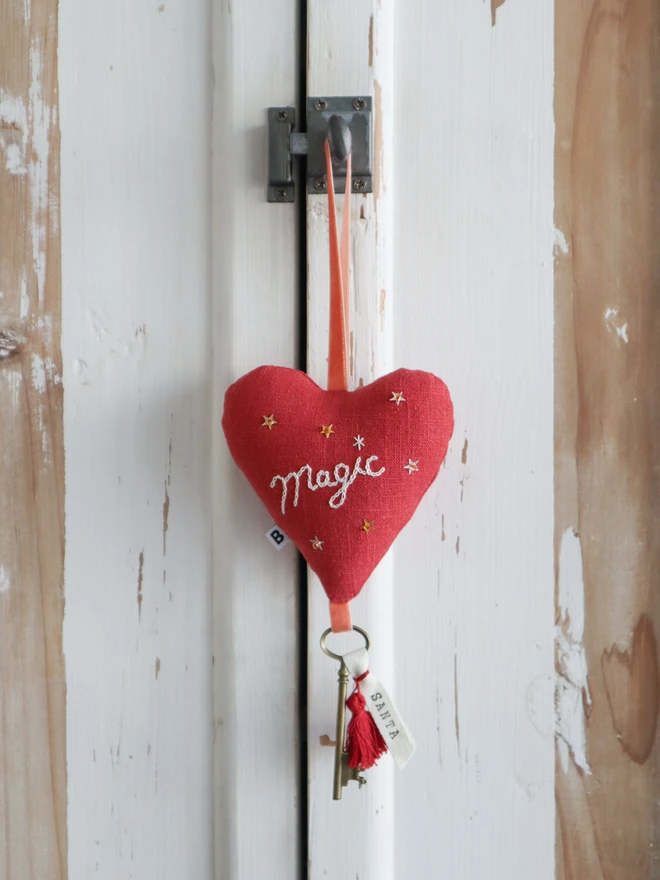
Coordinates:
277	537
398	738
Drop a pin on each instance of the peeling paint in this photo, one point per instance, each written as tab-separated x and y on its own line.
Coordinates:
166	517
561	244
44	325
621	330
14	379
378	140
324	740
5	582
464	452
371	41
139	583
494	6
157	667
10	343
457	725
572	696
13	132
166	502
38	374
39	119
25	297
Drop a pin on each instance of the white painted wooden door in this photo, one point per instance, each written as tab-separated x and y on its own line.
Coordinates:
453	274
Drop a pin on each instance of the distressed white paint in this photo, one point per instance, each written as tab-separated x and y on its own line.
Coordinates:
13	132
5	581
560	241
473	302
134	88
39	150
38	374
573	699
458	281
25	298
255	296
13	379
354	837
614	325
462	610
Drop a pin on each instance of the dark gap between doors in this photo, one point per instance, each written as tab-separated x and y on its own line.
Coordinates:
303	606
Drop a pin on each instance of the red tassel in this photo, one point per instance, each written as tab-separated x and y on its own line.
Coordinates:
364	742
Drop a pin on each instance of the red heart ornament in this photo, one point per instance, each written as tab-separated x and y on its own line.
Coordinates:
340	472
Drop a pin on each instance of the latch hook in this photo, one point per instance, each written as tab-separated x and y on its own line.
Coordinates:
347	124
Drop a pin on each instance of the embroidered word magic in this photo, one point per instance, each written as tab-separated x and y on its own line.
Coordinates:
342	477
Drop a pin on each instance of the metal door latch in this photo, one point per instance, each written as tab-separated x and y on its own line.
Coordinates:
284	143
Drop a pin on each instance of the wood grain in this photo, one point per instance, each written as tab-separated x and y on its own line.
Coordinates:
607	431
33	840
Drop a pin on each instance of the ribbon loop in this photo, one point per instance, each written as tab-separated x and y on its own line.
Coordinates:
339	279
340	614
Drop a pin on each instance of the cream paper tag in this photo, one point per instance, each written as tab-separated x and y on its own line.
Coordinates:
397	737
277	537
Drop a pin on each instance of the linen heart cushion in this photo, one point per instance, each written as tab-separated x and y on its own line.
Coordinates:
340	472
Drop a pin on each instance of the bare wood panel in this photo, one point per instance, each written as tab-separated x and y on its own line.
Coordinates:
32	691
607	361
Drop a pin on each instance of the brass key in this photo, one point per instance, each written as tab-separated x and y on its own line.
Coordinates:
343	774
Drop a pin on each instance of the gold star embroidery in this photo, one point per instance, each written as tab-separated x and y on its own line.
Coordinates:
367	526
316	544
326	430
268	422
397	397
359	441
412	466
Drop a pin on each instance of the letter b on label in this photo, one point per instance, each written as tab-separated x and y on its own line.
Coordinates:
277	537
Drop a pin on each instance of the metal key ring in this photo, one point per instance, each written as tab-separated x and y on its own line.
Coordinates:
338	656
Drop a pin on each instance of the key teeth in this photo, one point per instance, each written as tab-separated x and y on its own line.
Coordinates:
350	774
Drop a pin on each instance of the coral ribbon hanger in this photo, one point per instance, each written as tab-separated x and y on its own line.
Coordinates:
339	280
340	614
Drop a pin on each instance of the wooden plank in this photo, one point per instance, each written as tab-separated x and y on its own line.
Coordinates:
607	366
474	570
258	800
135	93
352	60
33	841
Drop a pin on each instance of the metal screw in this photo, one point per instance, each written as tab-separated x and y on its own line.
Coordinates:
280	194
320	183
321	104
359	103
282	115
359	183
